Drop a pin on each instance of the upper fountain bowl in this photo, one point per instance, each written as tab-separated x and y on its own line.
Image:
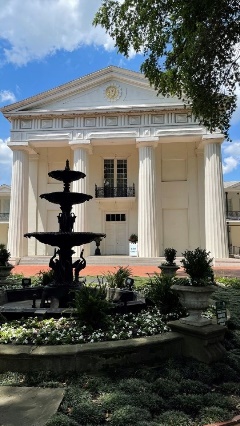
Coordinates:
66	176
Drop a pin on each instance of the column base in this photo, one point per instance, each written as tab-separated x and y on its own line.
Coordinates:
202	343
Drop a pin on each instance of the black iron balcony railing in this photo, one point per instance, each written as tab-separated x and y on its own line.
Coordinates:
4	217
233	215
114	192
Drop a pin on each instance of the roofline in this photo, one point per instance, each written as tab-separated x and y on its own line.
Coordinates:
57	91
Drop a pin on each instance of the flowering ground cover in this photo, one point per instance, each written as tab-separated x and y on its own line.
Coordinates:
70	331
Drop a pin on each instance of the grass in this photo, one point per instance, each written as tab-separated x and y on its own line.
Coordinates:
178	392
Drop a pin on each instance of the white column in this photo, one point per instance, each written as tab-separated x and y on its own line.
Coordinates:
215	216
80	163
18	218
33	202
147	224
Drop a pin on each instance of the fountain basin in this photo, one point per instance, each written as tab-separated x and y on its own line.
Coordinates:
64	239
66	198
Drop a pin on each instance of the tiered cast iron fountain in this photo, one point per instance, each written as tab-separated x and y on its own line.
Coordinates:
65	238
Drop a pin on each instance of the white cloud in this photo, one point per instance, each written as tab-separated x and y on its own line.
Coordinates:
31	30
5	162
7	96
231	156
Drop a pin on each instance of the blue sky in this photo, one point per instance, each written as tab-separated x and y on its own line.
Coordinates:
45	43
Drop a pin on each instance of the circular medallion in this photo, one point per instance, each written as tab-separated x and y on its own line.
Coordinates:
112	92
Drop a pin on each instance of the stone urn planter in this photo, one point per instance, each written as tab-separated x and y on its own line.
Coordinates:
5	271
169	270
195	300
5	266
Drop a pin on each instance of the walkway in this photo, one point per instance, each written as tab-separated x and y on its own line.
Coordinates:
137	270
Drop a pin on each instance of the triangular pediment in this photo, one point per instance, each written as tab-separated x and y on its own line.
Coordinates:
111	88
233	186
5	189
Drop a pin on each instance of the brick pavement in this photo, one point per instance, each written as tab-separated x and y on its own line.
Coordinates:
137	270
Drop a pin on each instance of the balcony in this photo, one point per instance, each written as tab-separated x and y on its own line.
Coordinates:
233	215
4	217
114	192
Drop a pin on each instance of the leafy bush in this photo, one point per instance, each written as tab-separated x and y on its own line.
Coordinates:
159	292
134	385
197	265
46	277
229	282
129	415
61	420
212	414
188	386
170	256
218	400
86	413
174	418
92	307
190	404
117	279
165	387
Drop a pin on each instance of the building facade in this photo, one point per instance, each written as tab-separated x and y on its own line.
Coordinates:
232	198
5	191
151	168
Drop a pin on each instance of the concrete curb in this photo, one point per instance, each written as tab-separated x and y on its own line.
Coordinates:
89	356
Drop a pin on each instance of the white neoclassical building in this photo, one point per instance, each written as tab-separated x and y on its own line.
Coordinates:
151	168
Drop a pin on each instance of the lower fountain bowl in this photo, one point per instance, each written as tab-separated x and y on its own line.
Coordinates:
65	239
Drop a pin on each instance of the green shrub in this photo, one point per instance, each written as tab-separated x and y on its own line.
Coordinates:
46	277
230	388
174	418
160	293
129	416
114	400
197	264
117	279
212	414
61	420
189	386
91	306
229	282
87	413
134	385
218	400
165	387
190	404
73	397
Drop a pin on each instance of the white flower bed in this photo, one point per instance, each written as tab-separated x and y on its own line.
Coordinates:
68	331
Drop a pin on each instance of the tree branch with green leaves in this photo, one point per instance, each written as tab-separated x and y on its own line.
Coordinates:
190	50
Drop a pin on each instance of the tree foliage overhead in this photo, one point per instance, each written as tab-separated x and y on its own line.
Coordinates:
190	47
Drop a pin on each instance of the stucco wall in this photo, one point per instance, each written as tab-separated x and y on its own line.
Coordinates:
178	191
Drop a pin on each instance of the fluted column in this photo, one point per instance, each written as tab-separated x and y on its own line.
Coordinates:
18	218
80	163
215	216
147	224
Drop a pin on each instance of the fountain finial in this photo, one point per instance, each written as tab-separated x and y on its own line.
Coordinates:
67	165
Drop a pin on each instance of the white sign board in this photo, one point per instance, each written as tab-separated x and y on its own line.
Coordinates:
133	249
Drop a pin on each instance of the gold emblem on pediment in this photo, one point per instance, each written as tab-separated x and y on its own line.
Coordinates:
113	92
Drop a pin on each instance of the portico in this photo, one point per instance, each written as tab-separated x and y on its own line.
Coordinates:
122	138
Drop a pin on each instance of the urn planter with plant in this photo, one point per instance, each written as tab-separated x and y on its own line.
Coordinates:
169	267
118	283
5	266
195	291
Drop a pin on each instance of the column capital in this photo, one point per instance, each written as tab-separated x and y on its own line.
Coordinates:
23	146
211	138
83	144
147	141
